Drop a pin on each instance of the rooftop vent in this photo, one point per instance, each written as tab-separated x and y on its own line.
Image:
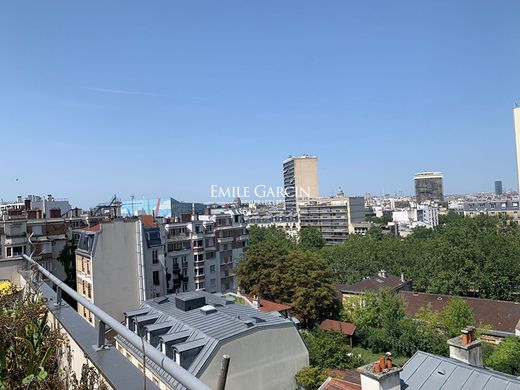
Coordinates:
208	309
160	300
189	302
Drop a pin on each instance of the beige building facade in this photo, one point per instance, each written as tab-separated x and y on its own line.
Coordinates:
300	174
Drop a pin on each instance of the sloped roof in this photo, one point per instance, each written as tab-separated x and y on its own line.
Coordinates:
268	306
346	328
338	384
374	284
425	371
503	316
95	228
229	321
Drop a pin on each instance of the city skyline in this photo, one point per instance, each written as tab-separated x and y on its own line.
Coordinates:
136	105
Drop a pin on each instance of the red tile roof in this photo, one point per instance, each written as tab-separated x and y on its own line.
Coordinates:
501	315
268	306
148	220
95	228
346	328
338	384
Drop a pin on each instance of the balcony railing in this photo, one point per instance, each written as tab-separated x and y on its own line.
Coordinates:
176	371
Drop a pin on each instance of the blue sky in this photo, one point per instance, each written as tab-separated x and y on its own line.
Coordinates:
168	97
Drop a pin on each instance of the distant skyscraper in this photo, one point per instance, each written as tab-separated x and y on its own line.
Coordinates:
498	187
428	186
300	180
516	115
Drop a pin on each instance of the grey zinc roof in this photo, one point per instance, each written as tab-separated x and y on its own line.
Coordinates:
425	371
230	321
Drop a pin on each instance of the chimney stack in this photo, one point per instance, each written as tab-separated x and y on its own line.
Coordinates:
256	301
382	274
466	347
381	375
402	277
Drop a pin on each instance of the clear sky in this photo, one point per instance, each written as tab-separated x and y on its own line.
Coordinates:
156	98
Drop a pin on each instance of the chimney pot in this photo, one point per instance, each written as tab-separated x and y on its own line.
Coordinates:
382	362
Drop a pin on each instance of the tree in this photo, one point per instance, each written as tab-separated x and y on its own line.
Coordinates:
506	356
310	378
455	316
299	278
309	238
328	349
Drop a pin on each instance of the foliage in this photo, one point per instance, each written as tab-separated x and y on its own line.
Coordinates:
462	256
275	268
32	355
380	220
310	238
67	258
310	378
29	349
506	356
455	316
329	349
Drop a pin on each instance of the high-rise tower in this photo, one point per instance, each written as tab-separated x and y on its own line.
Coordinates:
300	180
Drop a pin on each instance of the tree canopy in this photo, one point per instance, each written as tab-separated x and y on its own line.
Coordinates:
275	268
462	256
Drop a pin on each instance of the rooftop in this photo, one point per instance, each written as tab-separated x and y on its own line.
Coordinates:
503	316
205	320
425	371
345	328
374	283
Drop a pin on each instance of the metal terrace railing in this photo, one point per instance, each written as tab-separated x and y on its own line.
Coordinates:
180	374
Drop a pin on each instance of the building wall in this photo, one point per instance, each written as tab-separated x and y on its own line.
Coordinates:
300	173
114	268
516	116
268	359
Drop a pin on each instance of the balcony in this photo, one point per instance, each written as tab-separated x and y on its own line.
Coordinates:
224	240
243	237
178	237
198	264
199	278
15	240
182	251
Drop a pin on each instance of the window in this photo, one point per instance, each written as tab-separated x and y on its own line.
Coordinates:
170	247
199	257
8	252
210	255
184	286
224	247
199	285
199	271
211	269
197	229
156	280
155	257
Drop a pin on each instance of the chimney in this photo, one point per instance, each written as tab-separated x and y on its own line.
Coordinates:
382	274
381	375
466	347
402	277
256	302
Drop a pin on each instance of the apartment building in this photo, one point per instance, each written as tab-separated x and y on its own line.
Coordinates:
119	264
146	258
196	329
25	230
335	217
300	180
429	186
505	207
288	222
202	250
